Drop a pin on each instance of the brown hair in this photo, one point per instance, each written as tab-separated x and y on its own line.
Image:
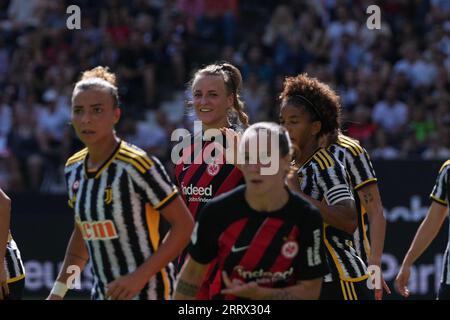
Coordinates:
233	84
98	77
321	101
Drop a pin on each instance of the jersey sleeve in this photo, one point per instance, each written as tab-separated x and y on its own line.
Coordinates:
359	167
440	189
156	185
204	240
333	182
312	262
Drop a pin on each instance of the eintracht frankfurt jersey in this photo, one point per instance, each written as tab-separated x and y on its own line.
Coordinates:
117	210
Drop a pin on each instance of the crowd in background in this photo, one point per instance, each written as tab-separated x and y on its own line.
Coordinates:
394	82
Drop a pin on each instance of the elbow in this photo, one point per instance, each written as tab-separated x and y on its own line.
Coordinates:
352	225
5	204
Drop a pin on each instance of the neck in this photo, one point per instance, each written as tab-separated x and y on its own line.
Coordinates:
307	151
221	124
272	201
98	153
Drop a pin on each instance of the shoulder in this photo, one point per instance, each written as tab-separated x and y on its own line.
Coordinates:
325	160
350	145
76	158
445	166
135	156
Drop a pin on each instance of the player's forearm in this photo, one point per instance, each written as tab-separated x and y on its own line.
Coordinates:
371	200
341	215
305	290
76	255
189	280
426	233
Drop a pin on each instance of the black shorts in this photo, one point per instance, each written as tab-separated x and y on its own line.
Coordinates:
444	292
346	290
16	290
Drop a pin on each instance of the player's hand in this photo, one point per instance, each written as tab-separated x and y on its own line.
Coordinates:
239	289
126	287
401	282
292	180
54	297
4	290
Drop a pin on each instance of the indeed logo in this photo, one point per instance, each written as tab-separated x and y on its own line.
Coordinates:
262	276
197	191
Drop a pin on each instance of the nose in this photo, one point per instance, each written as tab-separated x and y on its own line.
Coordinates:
86	118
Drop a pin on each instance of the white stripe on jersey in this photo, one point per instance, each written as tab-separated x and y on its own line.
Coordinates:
160	180
142	238
96	255
142	184
5	266
117	212
340	246
352	168
357	242
115	268
446	265
338	193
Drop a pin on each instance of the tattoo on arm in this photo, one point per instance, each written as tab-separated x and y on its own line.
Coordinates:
368	198
187	289
281	294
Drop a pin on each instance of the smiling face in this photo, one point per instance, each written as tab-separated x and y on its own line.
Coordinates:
299	124
94	115
211	100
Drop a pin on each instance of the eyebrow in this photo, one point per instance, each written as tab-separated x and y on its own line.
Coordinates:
92	105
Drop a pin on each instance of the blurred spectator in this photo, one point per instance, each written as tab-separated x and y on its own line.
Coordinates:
383	150
390	113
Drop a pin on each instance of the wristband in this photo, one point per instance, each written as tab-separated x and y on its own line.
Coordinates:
59	289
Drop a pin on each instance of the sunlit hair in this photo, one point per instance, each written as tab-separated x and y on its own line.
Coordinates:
98	78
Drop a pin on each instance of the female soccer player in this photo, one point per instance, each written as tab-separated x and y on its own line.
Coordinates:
310	110
12	272
427	231
367	198
215	91
267	240
117	193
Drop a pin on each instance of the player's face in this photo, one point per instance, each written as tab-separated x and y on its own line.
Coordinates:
297	122
211	100
93	115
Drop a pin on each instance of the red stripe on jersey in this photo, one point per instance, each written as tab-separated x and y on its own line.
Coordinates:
231	182
260	242
228	238
258	247
282	263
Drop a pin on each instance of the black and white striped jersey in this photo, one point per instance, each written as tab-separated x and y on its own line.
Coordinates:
117	210
360	170
323	177
15	270
441	194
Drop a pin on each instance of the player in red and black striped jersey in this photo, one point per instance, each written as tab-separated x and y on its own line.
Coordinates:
118	194
12	271
267	240
429	228
215	92
309	111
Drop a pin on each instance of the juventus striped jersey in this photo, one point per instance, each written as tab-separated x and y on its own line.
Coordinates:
15	270
359	168
441	194
117	210
275	249
323	177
